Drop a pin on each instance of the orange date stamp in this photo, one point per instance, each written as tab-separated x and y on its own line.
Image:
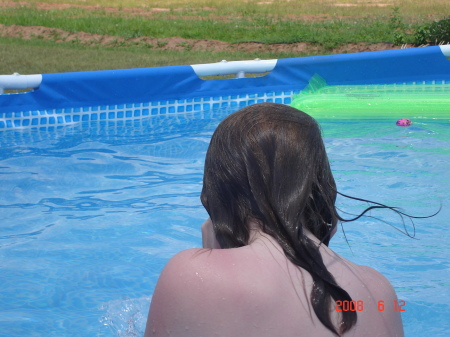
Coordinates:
359	305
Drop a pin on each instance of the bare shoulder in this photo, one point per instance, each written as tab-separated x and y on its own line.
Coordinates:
381	314
184	261
351	272
373	279
192	267
184	276
194	294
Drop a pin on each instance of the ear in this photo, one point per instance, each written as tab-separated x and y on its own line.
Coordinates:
208	236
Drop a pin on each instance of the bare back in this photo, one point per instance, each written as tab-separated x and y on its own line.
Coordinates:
255	291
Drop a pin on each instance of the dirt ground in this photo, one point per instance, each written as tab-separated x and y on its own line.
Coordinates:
172	43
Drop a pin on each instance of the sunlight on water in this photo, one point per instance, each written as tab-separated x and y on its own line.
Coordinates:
92	212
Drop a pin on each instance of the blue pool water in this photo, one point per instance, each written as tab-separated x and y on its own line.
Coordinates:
90	213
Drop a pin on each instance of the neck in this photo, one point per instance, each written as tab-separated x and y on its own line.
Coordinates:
257	234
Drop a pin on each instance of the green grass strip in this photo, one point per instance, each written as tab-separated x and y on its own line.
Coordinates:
255	28
40	57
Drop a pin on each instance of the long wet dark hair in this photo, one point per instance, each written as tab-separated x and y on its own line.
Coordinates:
267	162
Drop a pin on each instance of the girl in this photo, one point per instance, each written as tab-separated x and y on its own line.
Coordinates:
266	269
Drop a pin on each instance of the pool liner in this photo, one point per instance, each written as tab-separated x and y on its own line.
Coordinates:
406	100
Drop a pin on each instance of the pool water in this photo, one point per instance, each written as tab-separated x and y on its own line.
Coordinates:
92	212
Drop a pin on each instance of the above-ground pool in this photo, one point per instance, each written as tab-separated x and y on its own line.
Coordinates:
96	197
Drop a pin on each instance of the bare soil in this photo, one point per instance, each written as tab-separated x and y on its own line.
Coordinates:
177	43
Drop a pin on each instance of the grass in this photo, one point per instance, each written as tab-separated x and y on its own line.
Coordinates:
262	29
324	24
35	57
411	8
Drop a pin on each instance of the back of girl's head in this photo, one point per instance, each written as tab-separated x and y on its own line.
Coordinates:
267	162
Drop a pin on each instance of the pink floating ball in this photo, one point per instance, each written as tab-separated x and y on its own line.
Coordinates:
404	122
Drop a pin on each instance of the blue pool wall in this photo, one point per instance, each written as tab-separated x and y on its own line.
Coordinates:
133	93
